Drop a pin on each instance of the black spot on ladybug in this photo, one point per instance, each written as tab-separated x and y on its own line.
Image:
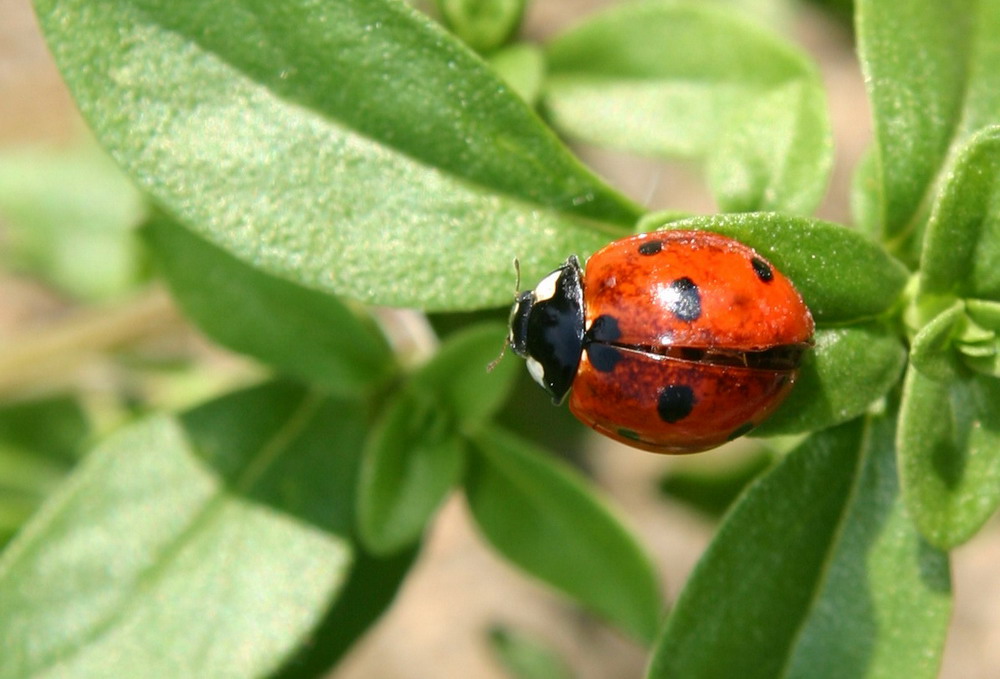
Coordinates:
744	428
604	329
602	357
628	434
762	269
650	247
685	300
675	402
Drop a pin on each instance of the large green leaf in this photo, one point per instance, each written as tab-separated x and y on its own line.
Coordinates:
842	275
816	572
694	79
933	75
961	254
303	332
848	369
351	146
207	546
549	523
949	448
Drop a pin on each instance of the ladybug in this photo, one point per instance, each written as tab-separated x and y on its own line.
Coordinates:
672	342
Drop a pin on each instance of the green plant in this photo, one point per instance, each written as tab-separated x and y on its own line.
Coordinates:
305	157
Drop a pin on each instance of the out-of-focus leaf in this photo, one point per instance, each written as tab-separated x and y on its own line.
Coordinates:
712	490
538	515
522	66
482	24
524	657
53	427
694	79
68	217
40	441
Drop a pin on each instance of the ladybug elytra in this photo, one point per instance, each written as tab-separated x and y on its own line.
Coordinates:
673	342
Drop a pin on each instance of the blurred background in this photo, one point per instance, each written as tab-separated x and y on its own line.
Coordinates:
87	339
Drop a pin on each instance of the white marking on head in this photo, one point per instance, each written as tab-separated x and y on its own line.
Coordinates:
536	370
546	288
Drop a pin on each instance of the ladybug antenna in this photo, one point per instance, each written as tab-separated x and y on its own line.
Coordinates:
506	340
496	361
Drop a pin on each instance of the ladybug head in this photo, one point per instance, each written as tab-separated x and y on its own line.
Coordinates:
546	328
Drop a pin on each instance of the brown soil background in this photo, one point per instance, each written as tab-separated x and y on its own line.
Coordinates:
459	587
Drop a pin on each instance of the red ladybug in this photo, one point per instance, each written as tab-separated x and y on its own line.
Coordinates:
673	342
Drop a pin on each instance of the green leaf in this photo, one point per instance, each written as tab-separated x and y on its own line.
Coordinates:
368	592
69	218
933	76
984	358
53	427
459	378
353	146
413	457
303	332
145	563
524	657
893	620
522	66
40	441
416	451
529	412
484	25
314	479
208	546
546	521
984	313
847	371
816	572
961	255
932	351
841	275
949	448
866	196
697	80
